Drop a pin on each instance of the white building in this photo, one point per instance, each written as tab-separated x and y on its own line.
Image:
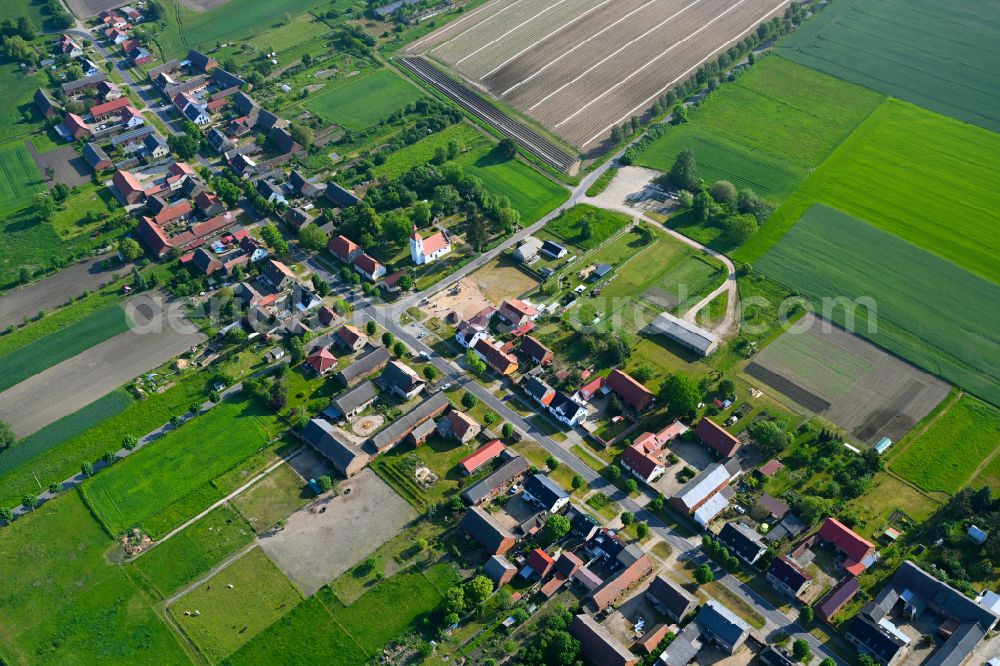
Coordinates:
425	250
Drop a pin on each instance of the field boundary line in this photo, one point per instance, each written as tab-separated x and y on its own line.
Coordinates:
339	623
515	28
222	501
913	436
444	28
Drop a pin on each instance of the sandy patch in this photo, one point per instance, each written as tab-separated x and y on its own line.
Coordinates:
464	299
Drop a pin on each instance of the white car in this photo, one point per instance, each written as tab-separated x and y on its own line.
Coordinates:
424	355
446	386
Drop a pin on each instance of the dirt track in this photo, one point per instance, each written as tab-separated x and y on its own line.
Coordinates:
581	67
54	291
82	379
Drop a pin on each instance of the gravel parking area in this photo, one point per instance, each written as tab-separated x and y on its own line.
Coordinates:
332	534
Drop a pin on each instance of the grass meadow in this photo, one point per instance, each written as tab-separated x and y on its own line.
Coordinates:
929	53
19	116
421	152
349	635
926	178
246	20
60	345
230	616
947	455
63	602
19	176
768	128
143	484
530	193
927	310
193	551
603	225
63	459
364	100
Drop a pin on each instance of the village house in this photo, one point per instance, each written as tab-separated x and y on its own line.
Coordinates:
545	493
513	467
321	361
707	493
277	274
350	338
598	645
742	541
458	425
855	549
346	457
354	401
516	312
715	437
486	531
368	267
45	105
632	392
500	570
344	249
538	391
566	410
535	351
396	431
644	457
96	157
670	598
484	454
788	577
400	379
630	565
494	357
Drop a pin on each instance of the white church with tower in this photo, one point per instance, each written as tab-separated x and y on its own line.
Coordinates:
425	250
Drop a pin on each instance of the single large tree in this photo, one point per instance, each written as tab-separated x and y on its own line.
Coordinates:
684	173
681	394
7	436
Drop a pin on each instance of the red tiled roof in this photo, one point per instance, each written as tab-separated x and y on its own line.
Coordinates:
74	122
846	540
174	212
631	391
590	388
540	561
432	243
342	247
349	334
482	455
322	360
108	107
460	423
206	199
178	168
517	306
367	263
126	182
771	467
640	460
716	437
495	357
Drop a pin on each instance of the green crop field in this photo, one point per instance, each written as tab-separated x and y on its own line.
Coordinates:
230	616
421	152
930	53
767	129
142	485
61	345
929	311
531	193
68	426
926	178
194	550
65	317
14	9
365	100
247	20
603	225
19	177
63	459
347	634
63	602
946	456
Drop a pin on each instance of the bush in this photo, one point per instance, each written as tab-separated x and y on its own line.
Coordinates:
325	483
703	574
627	518
469	400
631	486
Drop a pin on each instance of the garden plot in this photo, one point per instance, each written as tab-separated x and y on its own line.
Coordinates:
581	67
852	383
